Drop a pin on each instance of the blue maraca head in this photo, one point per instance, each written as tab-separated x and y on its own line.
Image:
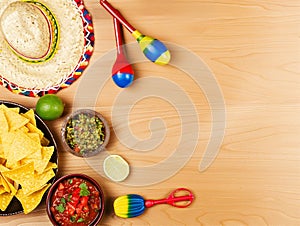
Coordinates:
153	49
123	80
122	72
157	52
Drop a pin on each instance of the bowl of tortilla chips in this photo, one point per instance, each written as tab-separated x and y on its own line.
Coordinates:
28	159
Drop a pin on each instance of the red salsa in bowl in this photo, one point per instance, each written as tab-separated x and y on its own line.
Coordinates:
75	199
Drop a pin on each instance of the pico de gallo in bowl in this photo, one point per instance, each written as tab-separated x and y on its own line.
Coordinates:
75	200
85	133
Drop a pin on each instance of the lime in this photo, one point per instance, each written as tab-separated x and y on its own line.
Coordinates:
116	168
49	107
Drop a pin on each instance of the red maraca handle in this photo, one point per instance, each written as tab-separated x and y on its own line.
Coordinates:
119	36
122	72
115	13
173	200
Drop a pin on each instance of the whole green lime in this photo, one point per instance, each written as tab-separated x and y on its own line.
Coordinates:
49	107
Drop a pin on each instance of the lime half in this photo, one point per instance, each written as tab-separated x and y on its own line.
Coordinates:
116	168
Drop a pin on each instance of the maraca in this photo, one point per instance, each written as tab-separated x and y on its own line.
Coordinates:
133	205
153	49
122	72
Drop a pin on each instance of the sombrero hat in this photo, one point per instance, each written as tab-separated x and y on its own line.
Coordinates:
45	45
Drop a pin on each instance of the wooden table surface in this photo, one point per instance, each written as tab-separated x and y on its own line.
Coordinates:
250	50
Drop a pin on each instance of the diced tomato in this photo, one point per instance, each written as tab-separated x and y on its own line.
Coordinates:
61	186
76	149
75	198
70	208
57	218
74	203
84	200
71	212
60	194
76	192
79	208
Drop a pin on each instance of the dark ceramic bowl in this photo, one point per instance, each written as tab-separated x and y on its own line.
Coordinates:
65	130
15	206
54	187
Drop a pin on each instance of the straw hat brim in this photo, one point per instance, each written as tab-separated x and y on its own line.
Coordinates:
74	49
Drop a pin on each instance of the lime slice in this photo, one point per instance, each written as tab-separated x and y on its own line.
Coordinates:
116	168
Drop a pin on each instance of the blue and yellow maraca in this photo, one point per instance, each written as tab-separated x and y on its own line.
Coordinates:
152	48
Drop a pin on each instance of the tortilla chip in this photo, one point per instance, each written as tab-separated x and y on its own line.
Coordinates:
37	154
39	181
7	139
21	147
40	163
30	202
40	159
2	190
23	175
30	115
2	157
24	129
14	109
12	188
5	199
3	122
34	129
45	141
4	184
13	165
3	168
51	165
14	120
47	152
35	137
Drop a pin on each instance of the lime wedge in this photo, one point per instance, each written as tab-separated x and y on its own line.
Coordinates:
116	168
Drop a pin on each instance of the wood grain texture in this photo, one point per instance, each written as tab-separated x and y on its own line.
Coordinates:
253	49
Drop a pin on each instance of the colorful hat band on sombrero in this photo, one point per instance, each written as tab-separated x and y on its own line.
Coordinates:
53	35
54	31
